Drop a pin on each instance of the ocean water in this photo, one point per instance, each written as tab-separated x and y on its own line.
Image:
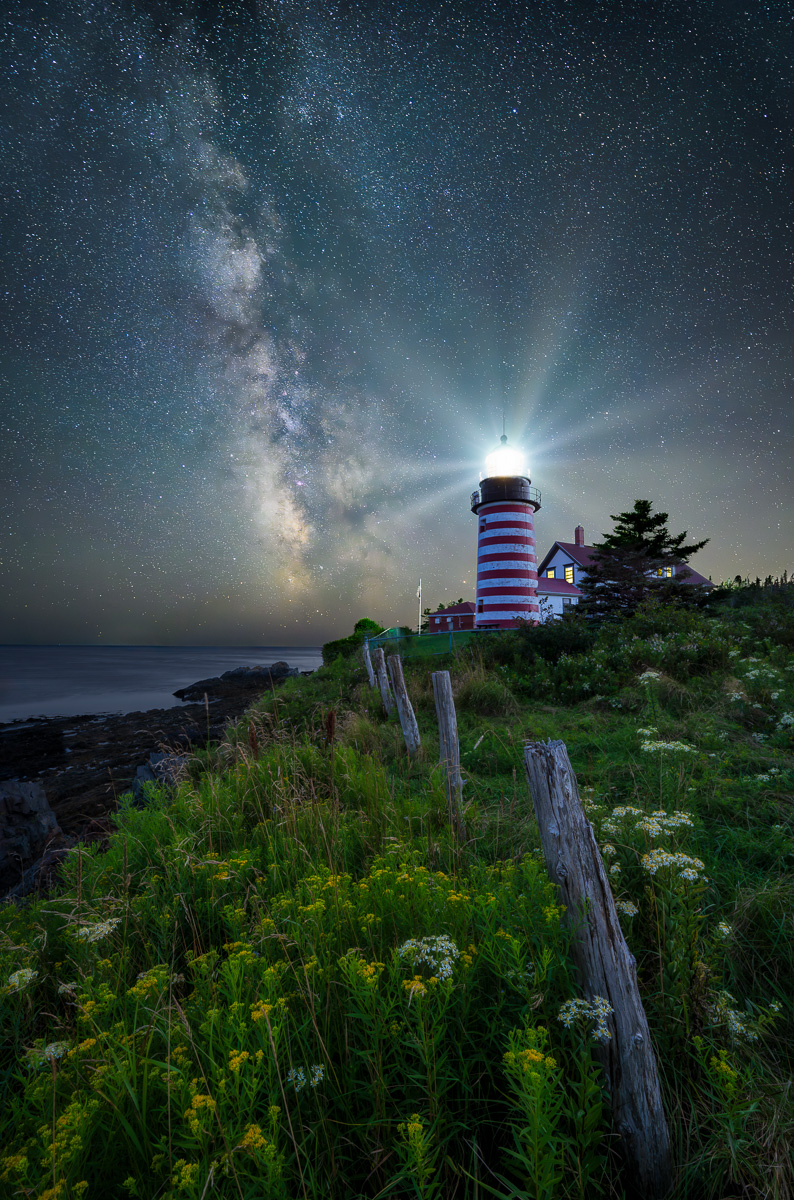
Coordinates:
64	681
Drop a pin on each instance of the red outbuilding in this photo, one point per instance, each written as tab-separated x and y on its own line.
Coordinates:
448	620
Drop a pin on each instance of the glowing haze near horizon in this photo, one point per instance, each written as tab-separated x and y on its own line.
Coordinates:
272	276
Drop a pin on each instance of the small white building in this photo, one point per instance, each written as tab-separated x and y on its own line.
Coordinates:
558	575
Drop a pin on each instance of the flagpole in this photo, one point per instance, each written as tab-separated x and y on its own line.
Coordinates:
419	598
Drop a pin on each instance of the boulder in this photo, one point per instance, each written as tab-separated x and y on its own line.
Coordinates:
239	679
160	769
27	826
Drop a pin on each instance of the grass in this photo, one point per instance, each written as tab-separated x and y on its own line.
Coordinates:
286	978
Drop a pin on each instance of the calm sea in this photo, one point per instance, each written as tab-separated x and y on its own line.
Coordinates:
63	681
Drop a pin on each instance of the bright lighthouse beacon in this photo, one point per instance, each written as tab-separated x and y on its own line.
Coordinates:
507	565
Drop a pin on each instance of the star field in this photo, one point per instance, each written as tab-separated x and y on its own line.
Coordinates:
272	272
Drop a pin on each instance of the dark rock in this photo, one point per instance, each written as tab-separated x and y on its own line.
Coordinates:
253	679
160	769
27	826
104	759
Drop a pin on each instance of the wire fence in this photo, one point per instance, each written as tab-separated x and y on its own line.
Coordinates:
425	645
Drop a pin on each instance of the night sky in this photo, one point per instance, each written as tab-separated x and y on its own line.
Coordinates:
272	274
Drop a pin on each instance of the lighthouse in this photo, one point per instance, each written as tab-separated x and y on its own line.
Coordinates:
507	565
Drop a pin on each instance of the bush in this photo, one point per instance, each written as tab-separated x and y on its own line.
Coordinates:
347	647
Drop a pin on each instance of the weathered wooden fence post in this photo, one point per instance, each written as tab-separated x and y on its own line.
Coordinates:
606	967
368	662
383	681
404	707
450	750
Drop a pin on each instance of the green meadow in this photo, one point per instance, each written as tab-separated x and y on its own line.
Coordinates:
285	978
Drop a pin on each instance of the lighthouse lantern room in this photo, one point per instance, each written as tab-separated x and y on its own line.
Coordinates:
507	565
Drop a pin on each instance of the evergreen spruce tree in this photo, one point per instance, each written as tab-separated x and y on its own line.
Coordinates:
631	564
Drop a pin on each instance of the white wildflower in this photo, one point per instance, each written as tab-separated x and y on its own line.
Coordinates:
297	1077
786	721
317	1075
724	929
95	933
626	908
673	820
688	868
738	1025
608	850
677	747
67	989
648	676
21	978
650	732
438	953
48	1054
596	1010
614	869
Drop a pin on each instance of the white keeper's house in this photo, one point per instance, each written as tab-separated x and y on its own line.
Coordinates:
566	565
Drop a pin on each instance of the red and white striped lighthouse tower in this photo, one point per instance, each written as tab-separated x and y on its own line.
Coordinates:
507	564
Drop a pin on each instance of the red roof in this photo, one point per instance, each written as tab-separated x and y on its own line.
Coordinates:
693	577
467	607
559	587
579	554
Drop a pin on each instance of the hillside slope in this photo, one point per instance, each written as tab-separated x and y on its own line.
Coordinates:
286	979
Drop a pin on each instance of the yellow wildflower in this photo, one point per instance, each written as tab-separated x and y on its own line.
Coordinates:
253	1139
237	1060
185	1175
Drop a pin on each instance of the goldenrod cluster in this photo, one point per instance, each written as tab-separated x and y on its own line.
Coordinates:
185	1175
237	1060
200	1106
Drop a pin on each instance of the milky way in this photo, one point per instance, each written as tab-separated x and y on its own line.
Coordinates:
273	274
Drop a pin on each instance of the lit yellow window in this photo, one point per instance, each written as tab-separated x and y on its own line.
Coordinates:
664	572
550	574
569	574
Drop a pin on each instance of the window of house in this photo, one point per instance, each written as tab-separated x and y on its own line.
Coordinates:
567	602
569	573
664	572
551	573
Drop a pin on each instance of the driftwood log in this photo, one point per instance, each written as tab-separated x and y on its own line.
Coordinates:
450	749
368	663
606	967
383	681
404	707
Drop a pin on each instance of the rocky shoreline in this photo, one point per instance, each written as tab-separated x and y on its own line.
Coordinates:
61	777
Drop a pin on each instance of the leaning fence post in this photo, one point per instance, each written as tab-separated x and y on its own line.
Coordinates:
605	965
404	707
368	662
383	681
450	750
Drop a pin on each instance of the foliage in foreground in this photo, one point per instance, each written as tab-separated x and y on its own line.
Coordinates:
287	980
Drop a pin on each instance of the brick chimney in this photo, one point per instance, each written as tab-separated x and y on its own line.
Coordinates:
578	535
